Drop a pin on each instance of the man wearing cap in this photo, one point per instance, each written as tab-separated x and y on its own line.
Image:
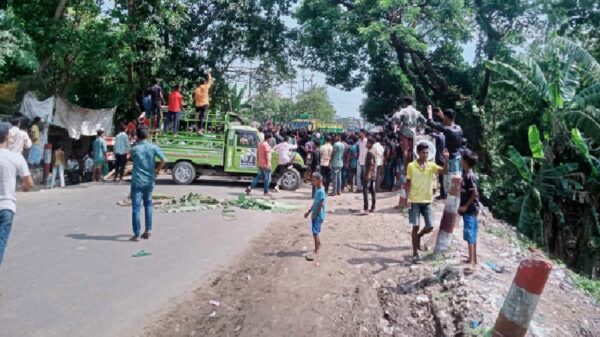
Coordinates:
11	165
143	176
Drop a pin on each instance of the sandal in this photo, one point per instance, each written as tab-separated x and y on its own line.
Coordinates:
134	238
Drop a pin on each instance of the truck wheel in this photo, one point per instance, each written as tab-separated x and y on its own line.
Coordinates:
291	180
184	173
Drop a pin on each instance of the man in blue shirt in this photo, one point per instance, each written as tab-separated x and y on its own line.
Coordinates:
144	173
99	148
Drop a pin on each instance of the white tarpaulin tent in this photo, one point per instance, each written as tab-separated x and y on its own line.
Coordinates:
80	121
31	108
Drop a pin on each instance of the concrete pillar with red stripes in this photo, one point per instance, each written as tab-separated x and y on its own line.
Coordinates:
444	238
522	298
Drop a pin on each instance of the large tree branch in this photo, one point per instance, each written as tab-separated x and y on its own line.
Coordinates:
420	93
58	14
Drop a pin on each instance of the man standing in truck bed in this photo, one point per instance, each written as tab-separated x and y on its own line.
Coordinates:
201	99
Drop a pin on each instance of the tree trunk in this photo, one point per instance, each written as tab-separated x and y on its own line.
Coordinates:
485	87
58	14
131	10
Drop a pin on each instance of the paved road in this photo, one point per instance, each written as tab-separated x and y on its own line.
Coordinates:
68	269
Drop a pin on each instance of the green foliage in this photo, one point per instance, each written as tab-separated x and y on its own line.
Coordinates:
591	287
535	143
315	102
17	55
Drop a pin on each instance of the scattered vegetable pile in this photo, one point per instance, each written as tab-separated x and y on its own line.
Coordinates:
194	202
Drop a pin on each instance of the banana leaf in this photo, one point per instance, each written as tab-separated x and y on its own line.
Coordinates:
582	146
519	162
535	144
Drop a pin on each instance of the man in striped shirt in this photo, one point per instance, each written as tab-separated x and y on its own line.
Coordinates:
11	165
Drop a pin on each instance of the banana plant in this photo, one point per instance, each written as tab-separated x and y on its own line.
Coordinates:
567	86
544	185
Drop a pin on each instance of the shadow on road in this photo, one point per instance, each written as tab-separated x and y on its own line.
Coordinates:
384	262
121	237
372	247
282	254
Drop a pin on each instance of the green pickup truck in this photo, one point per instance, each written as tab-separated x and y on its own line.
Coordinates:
227	149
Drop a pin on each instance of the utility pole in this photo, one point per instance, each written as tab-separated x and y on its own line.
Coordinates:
292	82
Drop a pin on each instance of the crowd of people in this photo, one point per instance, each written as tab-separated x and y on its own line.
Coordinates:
362	162
370	163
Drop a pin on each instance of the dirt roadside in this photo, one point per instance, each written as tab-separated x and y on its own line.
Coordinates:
363	284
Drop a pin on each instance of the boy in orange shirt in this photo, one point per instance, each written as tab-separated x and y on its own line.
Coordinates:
201	99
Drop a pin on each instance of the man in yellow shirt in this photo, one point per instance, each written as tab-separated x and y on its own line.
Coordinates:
420	175
201	98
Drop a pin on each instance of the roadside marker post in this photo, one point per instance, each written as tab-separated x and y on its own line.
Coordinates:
444	238
522	298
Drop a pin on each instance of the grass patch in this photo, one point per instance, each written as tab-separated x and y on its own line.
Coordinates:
589	286
525	243
497	232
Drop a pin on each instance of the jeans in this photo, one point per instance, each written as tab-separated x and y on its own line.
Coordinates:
265	174
360	169
6	220
336	177
326	173
141	194
379	178
352	177
120	162
201	110
369	186
58	170
157	114
345	174
389	174
418	209
172	118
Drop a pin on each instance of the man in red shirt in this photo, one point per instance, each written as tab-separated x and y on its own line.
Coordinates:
175	104
264	165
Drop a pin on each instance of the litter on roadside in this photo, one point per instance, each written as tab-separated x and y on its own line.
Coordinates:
214	303
494	267
142	253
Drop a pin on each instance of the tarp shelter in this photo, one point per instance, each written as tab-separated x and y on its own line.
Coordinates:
80	121
31	108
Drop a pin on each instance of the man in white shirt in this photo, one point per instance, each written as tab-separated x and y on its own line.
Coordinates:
283	149
407	119
18	139
11	166
362	157
379	152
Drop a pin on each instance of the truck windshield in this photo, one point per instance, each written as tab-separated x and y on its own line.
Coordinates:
247	139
